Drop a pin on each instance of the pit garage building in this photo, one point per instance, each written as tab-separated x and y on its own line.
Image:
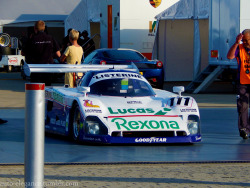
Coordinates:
18	17
119	23
182	39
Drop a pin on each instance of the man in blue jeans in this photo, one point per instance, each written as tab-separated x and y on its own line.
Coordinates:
241	51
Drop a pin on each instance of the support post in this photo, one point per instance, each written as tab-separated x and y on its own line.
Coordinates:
34	134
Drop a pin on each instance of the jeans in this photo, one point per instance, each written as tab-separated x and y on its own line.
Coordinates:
243	106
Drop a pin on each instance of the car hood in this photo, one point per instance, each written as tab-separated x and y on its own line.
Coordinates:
136	113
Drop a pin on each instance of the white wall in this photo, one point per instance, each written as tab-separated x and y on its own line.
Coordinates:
224	26
132	29
87	11
244	15
104	22
78	19
175	48
134	18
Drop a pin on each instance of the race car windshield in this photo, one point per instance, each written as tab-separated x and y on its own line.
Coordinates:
122	87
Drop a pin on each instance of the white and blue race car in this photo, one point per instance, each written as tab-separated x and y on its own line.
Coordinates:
113	105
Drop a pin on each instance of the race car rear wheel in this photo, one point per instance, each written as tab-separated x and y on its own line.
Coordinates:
76	122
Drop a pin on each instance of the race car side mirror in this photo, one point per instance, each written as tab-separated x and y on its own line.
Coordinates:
178	89
85	90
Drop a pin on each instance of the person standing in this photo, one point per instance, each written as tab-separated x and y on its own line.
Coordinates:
72	55
88	44
242	53
65	41
41	48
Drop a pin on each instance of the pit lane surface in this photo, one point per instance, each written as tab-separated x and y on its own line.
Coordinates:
220	140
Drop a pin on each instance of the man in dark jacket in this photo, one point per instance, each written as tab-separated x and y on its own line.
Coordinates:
41	48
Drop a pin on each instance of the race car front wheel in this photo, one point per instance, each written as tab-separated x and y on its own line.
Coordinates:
76	122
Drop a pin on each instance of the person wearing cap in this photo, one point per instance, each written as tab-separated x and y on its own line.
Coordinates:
88	44
241	51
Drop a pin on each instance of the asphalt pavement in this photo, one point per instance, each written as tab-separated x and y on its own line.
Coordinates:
137	174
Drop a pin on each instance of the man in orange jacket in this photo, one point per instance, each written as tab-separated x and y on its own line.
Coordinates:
242	53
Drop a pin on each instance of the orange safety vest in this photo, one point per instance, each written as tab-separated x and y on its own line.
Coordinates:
245	65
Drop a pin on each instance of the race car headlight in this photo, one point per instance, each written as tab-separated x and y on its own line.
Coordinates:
94	126
193	124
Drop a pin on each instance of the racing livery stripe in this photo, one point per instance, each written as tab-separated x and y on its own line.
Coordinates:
181	101
144	116
186	101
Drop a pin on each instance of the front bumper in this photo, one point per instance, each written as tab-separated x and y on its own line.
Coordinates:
142	140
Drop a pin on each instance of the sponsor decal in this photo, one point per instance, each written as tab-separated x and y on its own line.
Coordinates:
188	110
124	86
151	140
121	75
138	110
116	75
88	103
181	101
134	102
197	138
92	111
152	28
58	97
13	60
48	95
93	139
58	122
155	3
142	125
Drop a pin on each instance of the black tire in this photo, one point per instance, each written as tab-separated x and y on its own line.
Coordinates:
75	123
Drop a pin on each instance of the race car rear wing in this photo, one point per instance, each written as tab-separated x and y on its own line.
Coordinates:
63	68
